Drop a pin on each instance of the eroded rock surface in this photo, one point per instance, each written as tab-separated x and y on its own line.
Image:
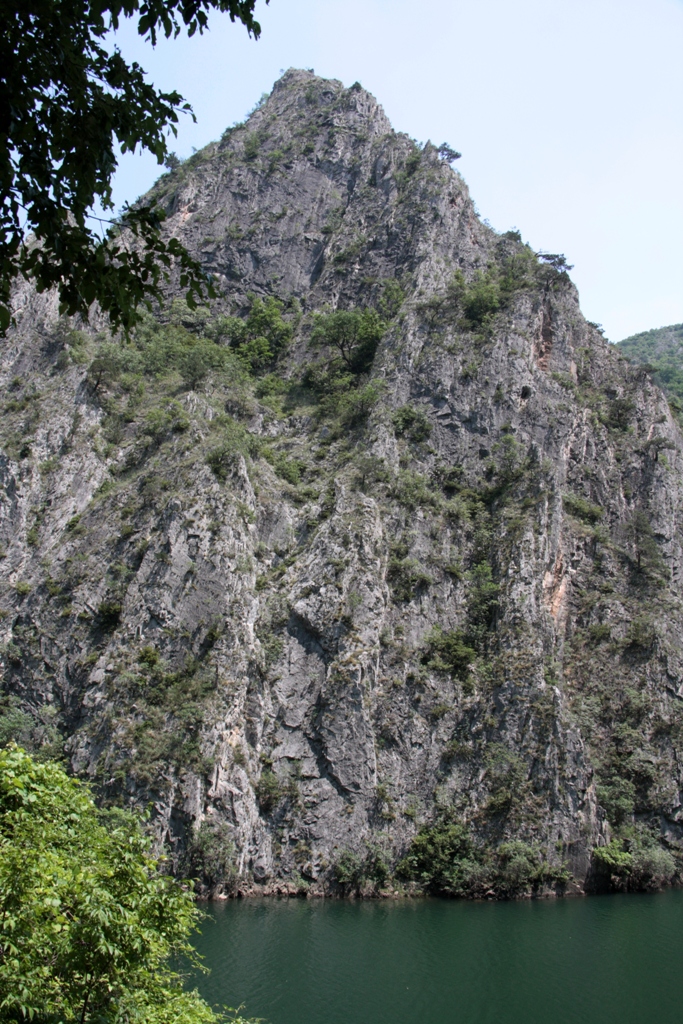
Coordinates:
304	617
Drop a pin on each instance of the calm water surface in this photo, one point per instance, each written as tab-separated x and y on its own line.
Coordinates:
602	960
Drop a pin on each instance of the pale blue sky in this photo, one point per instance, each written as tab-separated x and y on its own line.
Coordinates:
568	113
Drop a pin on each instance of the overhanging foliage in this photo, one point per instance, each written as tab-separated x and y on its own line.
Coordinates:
67	103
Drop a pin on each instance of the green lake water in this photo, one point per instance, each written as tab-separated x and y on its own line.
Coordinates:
600	960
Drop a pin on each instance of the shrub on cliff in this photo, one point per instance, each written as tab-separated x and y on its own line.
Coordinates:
261	336
444	858
210	857
411	422
634	860
353	873
448	651
354	334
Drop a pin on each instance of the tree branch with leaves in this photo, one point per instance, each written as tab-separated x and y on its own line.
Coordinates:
91	929
68	103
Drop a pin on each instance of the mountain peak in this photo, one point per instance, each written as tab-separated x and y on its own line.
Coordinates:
373	565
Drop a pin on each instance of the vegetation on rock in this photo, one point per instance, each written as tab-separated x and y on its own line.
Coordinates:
660	351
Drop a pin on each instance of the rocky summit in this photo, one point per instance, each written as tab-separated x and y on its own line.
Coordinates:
367	575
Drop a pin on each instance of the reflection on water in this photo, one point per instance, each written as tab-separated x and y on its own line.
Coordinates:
601	960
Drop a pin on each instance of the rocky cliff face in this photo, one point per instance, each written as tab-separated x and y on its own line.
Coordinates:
384	544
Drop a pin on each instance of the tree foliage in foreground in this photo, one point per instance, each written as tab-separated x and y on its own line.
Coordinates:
89	926
67	102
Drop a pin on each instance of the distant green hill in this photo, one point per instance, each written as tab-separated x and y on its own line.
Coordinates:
661	349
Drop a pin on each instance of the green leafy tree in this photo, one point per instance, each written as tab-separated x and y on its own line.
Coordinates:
644	542
447	153
413	422
355	334
442	858
262	335
449	651
200	359
105	367
67	102
89	927
482	602
349	339
210	856
613	859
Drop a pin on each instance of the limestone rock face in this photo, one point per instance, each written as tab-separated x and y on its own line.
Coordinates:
307	609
